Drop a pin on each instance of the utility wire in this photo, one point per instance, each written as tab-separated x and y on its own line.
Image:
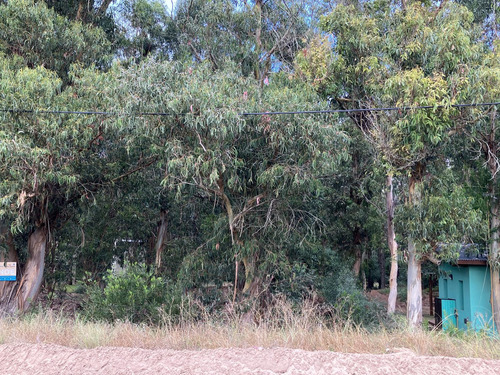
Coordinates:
90	113
383	109
141	114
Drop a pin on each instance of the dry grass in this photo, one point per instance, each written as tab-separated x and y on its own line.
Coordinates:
280	327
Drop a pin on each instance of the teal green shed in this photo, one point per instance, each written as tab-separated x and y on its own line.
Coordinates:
465	293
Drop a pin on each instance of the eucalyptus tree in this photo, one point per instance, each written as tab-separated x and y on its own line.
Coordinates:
41	37
81	10
251	166
102	14
402	55
46	161
260	36
146	27
352	77
486	13
481	125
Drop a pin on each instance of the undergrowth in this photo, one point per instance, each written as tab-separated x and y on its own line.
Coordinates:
282	325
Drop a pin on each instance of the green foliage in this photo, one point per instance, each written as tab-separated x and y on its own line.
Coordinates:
257	162
40	37
260	39
340	288
415	132
446	217
384	56
485	11
358	309
46	160
150	29
134	294
42	158
339	281
274	193
314	66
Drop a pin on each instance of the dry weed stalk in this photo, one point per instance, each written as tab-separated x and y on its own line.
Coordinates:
309	328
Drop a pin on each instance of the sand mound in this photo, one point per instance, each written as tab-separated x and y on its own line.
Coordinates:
53	359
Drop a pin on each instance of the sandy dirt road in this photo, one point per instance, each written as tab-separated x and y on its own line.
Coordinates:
17	359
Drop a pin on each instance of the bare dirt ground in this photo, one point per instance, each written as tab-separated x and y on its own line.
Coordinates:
401	305
53	359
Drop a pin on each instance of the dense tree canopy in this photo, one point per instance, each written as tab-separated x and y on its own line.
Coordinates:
132	132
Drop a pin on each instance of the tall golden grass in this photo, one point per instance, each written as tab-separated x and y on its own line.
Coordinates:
281	326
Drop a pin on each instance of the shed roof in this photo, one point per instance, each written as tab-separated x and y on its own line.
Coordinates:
469	254
472	254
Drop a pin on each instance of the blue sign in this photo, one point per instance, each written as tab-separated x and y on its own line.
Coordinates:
7	271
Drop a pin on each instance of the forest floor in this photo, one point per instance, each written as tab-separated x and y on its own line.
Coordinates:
50	359
378	296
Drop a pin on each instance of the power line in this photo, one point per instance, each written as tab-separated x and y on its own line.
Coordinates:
90	113
383	109
327	111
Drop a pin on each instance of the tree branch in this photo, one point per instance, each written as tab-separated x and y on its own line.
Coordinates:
196	54
135	170
104	7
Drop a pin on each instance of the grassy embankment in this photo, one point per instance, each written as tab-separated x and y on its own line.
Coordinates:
282	327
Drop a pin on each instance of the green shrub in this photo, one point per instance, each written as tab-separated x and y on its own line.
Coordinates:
338	283
134	295
341	290
356	308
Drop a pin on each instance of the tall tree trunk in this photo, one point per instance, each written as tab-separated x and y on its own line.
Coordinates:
364	281
358	259
161	239
431	295
381	266
79	12
494	253
393	247
357	235
414	284
414	294
7	288
252	281
17	296
258	40
74	265
495	293
234	235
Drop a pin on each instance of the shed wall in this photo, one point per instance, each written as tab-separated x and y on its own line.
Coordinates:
470	287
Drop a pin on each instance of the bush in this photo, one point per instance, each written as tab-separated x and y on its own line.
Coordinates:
338	283
135	295
341	290
358	309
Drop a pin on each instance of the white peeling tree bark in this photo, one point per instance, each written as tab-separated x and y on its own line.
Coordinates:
414	281
494	261
161	239
490	149
393	247
414	293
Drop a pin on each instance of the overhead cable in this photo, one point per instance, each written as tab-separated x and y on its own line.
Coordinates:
326	111
383	109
